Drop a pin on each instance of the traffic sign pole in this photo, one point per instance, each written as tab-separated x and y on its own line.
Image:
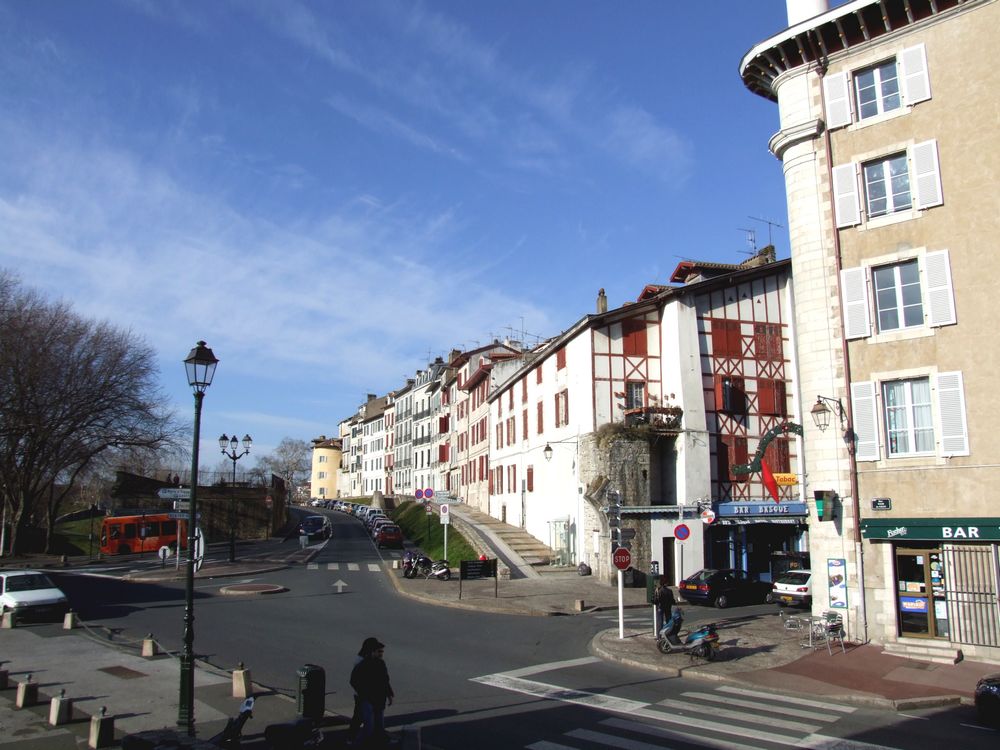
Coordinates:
621	605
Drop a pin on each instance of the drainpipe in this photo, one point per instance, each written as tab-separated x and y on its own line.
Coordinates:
855	500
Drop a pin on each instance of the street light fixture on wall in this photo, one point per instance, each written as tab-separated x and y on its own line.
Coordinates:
233	453
821	412
200	365
547	450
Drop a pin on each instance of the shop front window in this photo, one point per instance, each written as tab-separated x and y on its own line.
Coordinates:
922	606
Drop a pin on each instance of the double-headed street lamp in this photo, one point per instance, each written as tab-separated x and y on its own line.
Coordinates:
200	365
230	449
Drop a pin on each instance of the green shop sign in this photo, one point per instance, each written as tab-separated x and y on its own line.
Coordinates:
932	529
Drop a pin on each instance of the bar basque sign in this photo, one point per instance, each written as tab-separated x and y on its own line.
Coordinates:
760	509
932	529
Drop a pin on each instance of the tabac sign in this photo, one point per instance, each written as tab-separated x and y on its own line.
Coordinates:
932	529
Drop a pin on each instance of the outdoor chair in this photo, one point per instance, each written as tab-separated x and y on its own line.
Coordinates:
830	629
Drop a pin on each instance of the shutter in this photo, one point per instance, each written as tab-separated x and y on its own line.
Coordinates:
951	412
558	413
780	399
846	201
940	297
739	456
531	479
490	490
524	424
541	411
926	179
854	289
719	397
566	407
913	74
837	98
765	396
865	413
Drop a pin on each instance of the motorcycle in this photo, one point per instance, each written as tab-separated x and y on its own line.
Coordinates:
440	570
409	563
424	566
703	641
230	736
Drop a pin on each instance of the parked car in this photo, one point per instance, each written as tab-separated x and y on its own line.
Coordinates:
389	535
792	587
988	700
378	523
316	526
723	587
30	594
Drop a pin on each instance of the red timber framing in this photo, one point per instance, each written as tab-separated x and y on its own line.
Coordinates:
744	359
625	351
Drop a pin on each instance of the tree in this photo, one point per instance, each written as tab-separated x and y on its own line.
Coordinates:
292	459
72	392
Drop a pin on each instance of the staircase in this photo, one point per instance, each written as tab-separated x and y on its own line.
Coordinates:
532	551
923	650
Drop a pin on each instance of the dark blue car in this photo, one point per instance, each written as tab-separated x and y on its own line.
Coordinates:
723	587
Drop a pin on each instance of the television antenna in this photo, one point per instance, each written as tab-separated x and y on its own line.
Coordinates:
751	240
770	225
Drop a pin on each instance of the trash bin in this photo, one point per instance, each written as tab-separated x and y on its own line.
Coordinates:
312	691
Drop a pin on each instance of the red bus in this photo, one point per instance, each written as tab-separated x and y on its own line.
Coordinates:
124	535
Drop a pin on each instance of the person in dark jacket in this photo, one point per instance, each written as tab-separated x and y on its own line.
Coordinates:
370	680
665	602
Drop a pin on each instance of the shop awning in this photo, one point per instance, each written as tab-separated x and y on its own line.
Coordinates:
746	521
932	529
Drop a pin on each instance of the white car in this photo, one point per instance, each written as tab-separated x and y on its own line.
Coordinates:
29	594
792	587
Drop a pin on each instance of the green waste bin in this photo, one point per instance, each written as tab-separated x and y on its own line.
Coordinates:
312	691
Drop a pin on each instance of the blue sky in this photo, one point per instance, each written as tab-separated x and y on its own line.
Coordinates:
331	193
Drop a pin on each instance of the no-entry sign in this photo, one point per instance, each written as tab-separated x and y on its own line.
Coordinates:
622	558
681	532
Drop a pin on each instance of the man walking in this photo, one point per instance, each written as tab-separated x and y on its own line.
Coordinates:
370	680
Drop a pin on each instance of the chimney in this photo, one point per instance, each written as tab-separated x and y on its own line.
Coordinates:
371	396
801	10
602	299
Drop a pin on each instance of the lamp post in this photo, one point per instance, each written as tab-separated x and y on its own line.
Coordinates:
200	365
234	455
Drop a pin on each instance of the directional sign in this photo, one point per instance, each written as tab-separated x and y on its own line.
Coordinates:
174	493
339	585
622	558
626	534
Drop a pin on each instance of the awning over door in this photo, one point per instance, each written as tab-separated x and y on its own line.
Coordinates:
932	529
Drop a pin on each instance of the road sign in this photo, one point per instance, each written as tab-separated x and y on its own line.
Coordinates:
428	493
620	545
174	493
622	558
626	534
445	515
681	532
419	494
707	516
184	515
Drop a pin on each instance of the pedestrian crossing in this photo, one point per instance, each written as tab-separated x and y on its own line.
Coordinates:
370	567
725	717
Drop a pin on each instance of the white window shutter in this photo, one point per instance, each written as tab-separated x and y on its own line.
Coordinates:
854	296
913	74
940	297
865	412
845	195
951	412
837	98
926	177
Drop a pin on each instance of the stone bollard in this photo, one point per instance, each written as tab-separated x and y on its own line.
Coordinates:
410	738
242	684
69	620
27	693
149	647
8	620
60	709
102	730
578	605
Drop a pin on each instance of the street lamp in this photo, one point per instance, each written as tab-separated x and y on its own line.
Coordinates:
233	454
821	412
200	365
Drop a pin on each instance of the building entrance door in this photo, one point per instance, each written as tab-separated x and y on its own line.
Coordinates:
921	604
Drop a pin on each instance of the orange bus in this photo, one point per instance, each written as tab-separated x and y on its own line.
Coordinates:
124	535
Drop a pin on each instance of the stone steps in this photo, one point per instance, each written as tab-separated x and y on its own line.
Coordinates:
916	648
533	551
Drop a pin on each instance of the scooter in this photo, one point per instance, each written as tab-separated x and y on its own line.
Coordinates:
230	736
703	641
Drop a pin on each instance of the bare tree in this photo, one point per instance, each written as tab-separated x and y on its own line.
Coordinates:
292	459
71	391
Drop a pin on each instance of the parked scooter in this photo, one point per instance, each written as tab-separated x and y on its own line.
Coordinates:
703	641
230	736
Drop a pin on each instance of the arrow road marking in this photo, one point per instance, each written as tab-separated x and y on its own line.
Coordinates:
339	585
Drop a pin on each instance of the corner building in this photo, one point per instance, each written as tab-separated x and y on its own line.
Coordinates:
890	147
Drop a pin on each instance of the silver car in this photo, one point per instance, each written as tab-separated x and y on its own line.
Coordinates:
792	587
30	594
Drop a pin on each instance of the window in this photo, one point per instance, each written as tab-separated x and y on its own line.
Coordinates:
541	413
562	408
897	296
887	186
561	359
323	459
892	184
767	342
634	338
730	450
730	394
911	293
322	475
771	396
635	395
908	424
531	479
726	338
885	87
524	424
877	90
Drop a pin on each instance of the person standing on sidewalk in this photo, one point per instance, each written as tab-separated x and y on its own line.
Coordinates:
665	602
370	680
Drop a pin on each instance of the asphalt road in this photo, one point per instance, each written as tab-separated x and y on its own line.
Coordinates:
481	680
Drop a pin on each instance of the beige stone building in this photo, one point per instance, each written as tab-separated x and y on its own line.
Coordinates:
326	457
890	147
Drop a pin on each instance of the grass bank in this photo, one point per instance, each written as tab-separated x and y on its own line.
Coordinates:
427	532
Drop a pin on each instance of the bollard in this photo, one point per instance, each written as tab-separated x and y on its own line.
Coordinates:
149	647
69	620
578	605
60	709
410	738
27	693
102	730
8	620
4	675
242	684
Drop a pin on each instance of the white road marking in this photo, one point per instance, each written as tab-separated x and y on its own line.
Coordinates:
823	742
312	566
757	705
611	740
333	566
663	733
788	699
697	707
352	566
374	568
548	667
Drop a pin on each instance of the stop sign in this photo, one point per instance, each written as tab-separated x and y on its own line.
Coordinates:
622	558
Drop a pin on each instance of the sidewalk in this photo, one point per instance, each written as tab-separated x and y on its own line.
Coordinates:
141	693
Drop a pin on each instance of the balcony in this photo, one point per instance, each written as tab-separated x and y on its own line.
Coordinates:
659	418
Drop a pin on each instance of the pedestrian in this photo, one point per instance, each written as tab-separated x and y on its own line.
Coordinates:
664	601
370	680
